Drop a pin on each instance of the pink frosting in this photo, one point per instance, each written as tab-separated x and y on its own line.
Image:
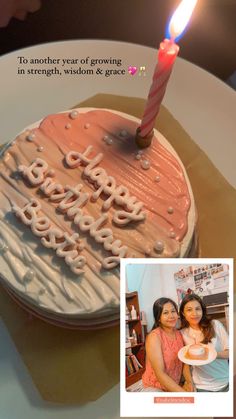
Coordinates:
166	202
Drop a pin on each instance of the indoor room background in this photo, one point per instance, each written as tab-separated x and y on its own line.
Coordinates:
153	281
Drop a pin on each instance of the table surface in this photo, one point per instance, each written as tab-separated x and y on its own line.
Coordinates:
203	105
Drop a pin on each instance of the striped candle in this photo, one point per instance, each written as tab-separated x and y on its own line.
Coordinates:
166	58
167	54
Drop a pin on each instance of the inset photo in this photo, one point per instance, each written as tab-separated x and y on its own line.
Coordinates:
177	337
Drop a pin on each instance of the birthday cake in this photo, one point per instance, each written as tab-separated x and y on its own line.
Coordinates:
76	195
197	351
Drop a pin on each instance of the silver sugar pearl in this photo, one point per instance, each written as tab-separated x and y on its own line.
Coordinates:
68	126
172	234
145	164
73	114
29	275
40	148
159	246
148	251
87	126
138	156
30	137
123	133
157	179
109	141
170	210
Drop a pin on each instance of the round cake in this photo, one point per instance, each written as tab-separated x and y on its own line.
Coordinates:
76	195
196	351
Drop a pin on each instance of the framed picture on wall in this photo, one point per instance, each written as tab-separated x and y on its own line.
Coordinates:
203	280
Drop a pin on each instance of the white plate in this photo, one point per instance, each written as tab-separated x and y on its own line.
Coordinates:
211	356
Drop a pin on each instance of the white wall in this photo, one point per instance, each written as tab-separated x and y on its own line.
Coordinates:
152	282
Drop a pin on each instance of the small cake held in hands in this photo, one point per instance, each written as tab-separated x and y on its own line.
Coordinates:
197	351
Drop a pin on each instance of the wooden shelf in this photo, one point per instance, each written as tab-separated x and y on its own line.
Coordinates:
132	321
133	378
131	294
138	350
137	344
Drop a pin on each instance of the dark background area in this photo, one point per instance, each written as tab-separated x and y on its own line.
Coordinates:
210	41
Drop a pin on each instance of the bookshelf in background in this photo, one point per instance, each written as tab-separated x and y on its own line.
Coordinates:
135	340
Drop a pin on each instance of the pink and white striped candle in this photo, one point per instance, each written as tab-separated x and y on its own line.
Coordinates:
167	54
166	58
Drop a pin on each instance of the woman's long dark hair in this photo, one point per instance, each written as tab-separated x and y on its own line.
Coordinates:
205	323
158	308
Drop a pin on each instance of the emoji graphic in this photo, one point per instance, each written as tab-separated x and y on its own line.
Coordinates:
132	70
142	70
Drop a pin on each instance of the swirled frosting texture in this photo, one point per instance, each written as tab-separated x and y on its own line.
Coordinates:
155	178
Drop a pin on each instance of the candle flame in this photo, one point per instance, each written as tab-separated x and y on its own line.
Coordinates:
180	19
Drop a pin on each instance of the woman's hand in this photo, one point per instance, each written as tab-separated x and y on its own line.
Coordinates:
16	8
189	386
223	354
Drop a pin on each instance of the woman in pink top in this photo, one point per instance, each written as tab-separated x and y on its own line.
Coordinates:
163	368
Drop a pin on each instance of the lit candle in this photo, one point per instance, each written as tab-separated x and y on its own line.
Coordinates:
167	54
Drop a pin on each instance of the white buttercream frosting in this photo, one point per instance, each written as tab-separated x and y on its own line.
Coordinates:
196	350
